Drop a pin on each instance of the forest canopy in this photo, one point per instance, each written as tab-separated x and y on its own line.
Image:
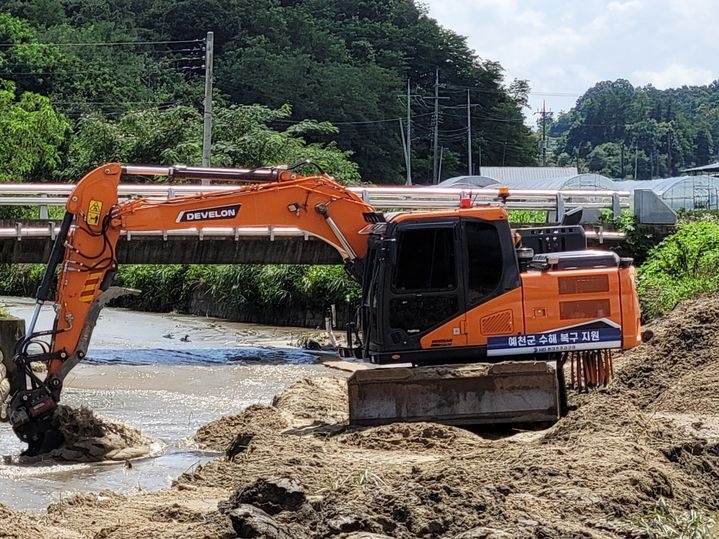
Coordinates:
623	131
126	78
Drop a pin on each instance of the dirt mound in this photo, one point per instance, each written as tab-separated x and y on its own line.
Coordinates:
594	474
19	525
255	420
316	399
678	369
411	437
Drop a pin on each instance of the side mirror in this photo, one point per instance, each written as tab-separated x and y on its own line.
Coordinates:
572	217
524	257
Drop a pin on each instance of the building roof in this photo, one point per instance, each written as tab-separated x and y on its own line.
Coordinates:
504	174
468	181
592	182
714	167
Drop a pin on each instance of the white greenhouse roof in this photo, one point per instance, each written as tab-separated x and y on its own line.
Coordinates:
662	185
468	181
504	174
578	181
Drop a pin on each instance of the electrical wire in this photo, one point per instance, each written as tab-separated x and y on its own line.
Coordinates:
103	43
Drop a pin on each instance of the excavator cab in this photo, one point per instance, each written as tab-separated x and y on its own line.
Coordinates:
427	273
487	332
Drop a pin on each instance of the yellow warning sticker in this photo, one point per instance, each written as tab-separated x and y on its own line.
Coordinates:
93	212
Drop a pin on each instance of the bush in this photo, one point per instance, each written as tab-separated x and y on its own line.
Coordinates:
163	287
20	279
682	266
266	294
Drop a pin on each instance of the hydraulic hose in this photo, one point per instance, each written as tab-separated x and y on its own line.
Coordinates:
58	250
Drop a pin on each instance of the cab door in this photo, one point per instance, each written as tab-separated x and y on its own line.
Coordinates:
425	290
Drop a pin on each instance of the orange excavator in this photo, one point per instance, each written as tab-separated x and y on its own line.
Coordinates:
475	325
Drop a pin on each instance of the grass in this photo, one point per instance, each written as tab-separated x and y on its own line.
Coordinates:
663	522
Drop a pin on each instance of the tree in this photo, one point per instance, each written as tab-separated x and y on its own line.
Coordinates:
606	159
31	135
344	62
241	138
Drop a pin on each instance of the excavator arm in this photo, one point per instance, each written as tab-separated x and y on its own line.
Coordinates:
86	245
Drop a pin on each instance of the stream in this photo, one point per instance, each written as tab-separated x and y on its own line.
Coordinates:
165	374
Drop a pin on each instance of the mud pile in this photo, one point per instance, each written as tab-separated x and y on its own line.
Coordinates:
90	438
296	470
678	369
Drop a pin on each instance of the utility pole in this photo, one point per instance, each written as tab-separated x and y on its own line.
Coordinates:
636	160
435	147
544	114
435	138
207	125
669	152
409	137
469	135
621	160
479	156
405	149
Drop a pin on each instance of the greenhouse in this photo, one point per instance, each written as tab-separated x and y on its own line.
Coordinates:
462	182
680	193
579	182
591	182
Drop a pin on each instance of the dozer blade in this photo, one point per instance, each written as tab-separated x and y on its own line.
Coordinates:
477	394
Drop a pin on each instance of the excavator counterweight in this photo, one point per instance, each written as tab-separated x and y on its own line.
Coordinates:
457	320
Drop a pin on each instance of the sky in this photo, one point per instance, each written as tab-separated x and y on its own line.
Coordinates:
564	47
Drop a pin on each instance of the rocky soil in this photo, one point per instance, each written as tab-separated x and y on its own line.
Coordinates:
296	470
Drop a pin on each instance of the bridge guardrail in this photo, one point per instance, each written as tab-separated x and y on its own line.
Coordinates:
384	198
20	231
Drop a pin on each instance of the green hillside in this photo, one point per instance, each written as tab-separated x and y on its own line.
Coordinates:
623	131
124	80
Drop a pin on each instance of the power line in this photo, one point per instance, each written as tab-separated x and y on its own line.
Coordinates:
102	43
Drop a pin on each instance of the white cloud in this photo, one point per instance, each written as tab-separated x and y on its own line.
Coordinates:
675	75
564	47
696	11
532	17
624	7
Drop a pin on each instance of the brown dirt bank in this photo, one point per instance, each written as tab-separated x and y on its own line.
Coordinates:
299	472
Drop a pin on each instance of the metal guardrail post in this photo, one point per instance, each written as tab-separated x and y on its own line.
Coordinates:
43	209
560	208
599	230
616	207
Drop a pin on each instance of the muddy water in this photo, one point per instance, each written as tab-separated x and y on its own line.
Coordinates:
166	375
